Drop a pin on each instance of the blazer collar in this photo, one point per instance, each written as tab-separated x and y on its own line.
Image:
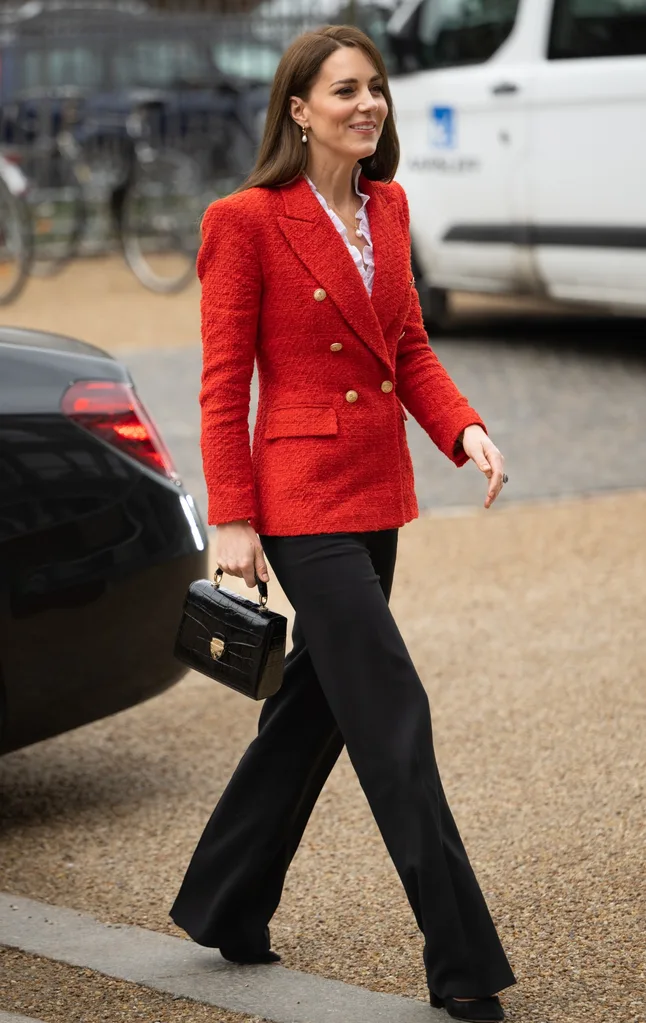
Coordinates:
315	240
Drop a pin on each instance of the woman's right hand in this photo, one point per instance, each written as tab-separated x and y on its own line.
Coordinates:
238	552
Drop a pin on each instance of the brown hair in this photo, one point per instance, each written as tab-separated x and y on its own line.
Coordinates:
282	155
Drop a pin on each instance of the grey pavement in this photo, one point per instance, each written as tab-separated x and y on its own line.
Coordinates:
10	1017
567	414
181	968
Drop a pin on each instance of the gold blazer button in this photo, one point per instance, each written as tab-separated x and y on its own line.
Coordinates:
387	386
351	396
336	347
320	294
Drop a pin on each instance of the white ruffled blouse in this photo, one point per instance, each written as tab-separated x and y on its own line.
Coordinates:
364	264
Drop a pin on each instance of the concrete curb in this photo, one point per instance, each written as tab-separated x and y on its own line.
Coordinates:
10	1017
181	968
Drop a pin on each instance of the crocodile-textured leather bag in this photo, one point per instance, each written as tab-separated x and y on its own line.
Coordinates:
232	639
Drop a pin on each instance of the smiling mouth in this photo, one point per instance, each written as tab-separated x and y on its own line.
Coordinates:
367	127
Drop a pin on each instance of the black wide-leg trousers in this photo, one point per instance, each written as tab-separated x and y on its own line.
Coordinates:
348	680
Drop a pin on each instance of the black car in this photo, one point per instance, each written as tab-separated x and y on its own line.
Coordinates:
98	540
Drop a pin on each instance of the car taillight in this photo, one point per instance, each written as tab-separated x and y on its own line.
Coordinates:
111	410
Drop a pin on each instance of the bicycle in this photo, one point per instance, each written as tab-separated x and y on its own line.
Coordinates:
16	239
155	193
159	208
51	160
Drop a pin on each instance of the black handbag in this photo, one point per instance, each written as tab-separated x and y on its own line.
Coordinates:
232	639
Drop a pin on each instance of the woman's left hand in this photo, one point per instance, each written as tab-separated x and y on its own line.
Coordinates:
487	457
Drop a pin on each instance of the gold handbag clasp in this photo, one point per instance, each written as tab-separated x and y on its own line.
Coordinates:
216	647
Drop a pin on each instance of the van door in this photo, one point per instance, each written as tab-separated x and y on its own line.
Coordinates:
587	166
462	122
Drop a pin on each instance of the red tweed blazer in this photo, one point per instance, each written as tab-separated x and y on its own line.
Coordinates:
336	368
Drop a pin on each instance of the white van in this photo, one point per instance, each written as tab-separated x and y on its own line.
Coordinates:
523	133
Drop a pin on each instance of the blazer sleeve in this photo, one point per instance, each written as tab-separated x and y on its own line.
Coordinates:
229	270
423	385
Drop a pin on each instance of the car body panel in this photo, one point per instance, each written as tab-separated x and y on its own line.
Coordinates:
96	553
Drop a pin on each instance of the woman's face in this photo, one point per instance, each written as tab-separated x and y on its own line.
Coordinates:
346	108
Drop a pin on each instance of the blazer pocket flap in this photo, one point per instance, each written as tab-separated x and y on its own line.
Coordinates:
302	421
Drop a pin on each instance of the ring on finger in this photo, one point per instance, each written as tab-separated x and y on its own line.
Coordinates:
505	477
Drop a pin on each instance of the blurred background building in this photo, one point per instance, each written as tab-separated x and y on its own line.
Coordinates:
124	119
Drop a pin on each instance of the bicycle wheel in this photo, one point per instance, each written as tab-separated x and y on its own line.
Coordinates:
160	220
55	198
15	244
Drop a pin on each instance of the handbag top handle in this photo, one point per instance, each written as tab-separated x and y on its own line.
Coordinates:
260	583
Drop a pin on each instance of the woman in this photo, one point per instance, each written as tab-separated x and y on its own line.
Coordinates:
306	269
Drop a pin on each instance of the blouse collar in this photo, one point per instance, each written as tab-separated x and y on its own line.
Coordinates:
362	215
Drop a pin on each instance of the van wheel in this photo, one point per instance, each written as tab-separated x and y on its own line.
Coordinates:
434	301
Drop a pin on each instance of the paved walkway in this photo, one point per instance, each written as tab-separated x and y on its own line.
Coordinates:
10	1017
568	418
182	968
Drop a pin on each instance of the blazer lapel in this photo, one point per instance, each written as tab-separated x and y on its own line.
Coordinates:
390	250
317	243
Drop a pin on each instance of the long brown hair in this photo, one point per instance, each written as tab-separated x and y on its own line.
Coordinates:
282	156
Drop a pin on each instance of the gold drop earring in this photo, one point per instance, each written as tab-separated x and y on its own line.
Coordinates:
304	135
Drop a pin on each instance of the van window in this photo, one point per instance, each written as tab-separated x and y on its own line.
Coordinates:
598	28
454	32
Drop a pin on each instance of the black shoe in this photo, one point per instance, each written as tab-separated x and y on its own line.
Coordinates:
252	949
478	1010
248	955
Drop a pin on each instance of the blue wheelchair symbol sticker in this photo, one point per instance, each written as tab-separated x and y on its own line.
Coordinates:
442	128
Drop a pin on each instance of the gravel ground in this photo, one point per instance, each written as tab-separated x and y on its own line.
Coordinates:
57	993
532	649
100	301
